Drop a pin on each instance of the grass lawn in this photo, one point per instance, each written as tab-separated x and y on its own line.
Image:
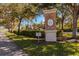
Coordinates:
32	48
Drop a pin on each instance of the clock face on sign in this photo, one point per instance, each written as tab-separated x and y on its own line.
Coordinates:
50	22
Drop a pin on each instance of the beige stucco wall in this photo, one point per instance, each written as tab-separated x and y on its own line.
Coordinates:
51	35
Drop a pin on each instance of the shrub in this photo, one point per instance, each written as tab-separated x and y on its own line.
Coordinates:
59	33
30	33
78	30
67	30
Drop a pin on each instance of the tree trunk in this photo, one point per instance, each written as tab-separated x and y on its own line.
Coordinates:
59	24
19	26
62	20
75	26
75	17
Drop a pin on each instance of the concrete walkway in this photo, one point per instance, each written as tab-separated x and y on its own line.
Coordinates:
8	48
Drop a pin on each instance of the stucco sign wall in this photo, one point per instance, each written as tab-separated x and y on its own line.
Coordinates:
50	25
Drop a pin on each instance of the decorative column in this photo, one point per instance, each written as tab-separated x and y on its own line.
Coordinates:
50	25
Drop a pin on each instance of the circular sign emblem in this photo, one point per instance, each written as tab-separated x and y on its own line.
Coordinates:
50	22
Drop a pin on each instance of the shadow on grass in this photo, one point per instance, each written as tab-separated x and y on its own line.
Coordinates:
32	48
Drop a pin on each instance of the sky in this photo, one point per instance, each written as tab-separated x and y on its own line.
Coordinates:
38	20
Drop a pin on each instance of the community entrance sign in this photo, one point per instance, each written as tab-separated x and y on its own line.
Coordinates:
50	25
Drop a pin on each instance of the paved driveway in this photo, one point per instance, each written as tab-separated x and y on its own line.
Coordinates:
8	48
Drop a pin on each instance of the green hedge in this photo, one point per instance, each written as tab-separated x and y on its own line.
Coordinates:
33	33
78	30
30	33
68	30
59	33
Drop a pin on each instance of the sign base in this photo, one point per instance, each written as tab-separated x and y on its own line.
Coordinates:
51	35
